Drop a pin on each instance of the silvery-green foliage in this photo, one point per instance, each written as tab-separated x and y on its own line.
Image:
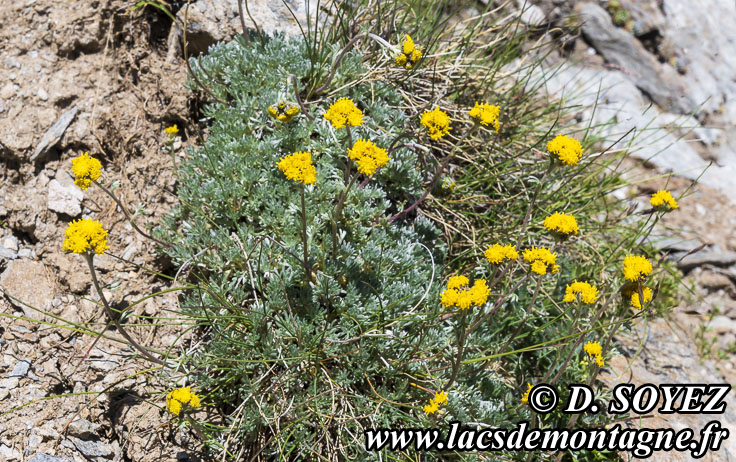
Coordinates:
287	350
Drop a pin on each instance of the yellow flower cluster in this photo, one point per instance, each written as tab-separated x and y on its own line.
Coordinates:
85	235
460	294
283	112
486	114
180	396
594	350
568	150
435	403
410	53
368	156
86	170
646	292
497	253
636	267
437	123
173	130
561	224
525	397
542	260
663	200
587	292
298	167
344	112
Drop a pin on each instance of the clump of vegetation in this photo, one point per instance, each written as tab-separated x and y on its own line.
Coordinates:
388	226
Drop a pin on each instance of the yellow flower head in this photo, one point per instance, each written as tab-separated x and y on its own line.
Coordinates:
497	253
460	295
588	293
410	54
85	235
86	169
298	167
525	397
448	185
457	282
408	45
344	112
449	297
173	130
636	267
542	260
431	408
664	201
283	112
568	150
440	397
180	396
368	156
646	292
561	224
486	114
594	350
437	123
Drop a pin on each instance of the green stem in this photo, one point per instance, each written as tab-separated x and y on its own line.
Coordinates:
110	314
307	269
130	219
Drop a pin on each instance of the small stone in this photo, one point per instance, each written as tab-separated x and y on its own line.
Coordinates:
92	448
54	133
129	251
8	453
42	95
25	253
64	199
47	458
11	242
21	369
722	325
9	384
8	91
83	429
703	258
531	15
29	285
7	253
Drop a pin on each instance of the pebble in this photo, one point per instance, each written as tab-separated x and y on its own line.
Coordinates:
47	458
7	253
83	429
64	199
92	448
11	242
8	453
42	95
20	369
8	91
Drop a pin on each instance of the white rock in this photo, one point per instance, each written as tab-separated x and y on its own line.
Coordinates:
531	15
11	243
65	199
8	453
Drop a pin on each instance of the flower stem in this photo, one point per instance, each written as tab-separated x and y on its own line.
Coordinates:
130	219
307	269
110	314
170	147
436	178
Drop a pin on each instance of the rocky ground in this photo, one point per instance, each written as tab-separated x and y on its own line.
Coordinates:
91	76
